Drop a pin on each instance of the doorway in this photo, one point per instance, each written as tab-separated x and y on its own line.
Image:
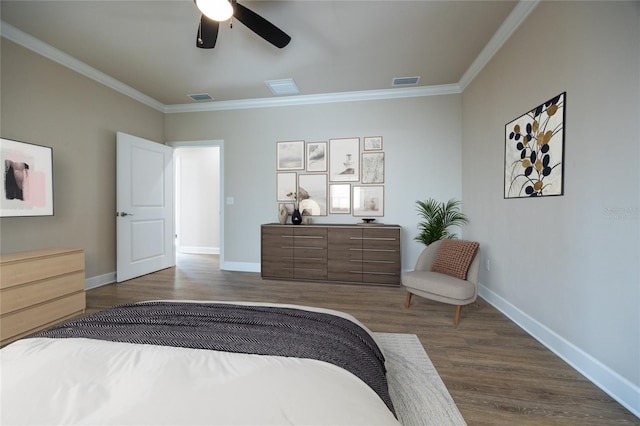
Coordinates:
198	198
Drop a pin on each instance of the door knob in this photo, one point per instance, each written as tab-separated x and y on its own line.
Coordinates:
123	214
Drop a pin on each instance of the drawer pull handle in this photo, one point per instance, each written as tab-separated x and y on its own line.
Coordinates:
378	250
305	248
377	273
373	238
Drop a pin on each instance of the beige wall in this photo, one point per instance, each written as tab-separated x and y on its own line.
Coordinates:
47	104
566	267
421	141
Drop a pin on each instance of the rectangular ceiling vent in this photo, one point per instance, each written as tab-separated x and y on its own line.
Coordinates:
199	97
405	81
285	86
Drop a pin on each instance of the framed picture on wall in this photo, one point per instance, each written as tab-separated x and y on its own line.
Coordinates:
344	160
534	151
368	200
285	184
312	193
372	167
339	198
373	143
316	156
290	155
27	178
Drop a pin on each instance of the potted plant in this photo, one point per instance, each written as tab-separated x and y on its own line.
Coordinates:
437	218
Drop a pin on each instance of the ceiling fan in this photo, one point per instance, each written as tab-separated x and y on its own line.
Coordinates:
215	11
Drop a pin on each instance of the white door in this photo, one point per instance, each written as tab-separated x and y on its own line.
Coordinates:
145	215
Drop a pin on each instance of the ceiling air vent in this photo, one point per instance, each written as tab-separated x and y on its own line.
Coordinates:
199	97
283	87
405	81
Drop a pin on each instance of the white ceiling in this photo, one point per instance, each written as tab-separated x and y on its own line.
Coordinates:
336	47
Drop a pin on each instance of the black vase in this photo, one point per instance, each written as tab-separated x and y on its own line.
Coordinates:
296	217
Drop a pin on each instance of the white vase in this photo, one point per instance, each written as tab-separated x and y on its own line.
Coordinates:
282	214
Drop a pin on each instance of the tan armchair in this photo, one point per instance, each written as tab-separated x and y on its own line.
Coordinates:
443	287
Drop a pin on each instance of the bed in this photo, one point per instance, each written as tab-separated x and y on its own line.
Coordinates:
186	362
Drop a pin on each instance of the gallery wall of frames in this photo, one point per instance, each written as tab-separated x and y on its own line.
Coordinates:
338	176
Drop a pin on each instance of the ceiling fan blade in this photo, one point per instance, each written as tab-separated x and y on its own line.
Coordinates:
261	26
207	33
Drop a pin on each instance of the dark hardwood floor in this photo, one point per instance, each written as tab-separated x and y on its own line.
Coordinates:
496	373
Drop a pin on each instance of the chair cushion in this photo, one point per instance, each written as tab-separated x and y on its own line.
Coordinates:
428	284
454	257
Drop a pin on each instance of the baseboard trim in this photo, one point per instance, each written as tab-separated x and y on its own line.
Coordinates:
616	386
100	280
239	266
198	250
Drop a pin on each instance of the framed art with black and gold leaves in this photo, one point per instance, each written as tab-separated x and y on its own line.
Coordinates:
534	151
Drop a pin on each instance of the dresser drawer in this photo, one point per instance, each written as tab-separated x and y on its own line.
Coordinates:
309	238
382	239
303	242
381	278
276	237
29	320
19	269
23	296
317	254
345	243
344	270
380	233
277	268
385	267
373	255
310	271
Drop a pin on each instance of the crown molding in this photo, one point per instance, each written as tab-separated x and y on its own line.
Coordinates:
323	98
17	36
513	21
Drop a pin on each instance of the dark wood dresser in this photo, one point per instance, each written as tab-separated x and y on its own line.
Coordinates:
357	254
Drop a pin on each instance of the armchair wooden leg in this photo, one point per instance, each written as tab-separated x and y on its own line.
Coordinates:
407	302
456	316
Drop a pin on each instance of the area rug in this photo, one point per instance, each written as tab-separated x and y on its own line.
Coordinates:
417	391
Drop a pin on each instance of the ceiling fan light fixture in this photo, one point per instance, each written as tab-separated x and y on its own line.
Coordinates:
218	10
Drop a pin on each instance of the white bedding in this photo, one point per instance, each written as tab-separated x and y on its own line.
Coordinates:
86	381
